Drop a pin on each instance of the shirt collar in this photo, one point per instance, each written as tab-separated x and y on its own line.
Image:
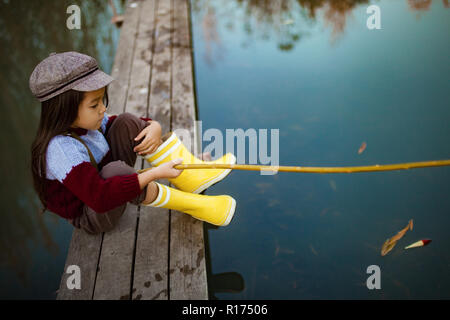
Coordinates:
78	131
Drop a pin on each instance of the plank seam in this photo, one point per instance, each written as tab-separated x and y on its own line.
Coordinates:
131	60
97	266
191	50
136	230
133	260
155	17
170	126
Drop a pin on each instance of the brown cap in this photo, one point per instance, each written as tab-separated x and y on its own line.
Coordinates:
60	72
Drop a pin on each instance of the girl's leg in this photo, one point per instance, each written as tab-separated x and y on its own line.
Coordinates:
93	222
121	134
120	137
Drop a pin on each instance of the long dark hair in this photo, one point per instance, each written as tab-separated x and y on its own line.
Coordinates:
57	115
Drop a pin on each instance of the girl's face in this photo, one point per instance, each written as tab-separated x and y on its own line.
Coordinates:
91	110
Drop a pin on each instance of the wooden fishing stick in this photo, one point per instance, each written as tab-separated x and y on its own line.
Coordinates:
377	167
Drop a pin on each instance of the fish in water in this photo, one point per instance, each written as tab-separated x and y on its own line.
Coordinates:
390	243
313	250
362	147
333	184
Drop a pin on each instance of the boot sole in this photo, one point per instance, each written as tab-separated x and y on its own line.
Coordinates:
216	179
230	213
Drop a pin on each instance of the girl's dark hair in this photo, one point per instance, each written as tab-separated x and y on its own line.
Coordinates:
57	115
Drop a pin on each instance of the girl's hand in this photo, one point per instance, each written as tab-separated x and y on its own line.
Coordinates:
152	139
167	171
164	171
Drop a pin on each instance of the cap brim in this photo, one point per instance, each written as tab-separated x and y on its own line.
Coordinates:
97	80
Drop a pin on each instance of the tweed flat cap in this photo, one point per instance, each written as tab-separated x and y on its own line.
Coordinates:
60	72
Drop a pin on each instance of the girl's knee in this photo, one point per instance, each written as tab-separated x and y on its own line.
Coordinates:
127	118
126	127
116	168
95	223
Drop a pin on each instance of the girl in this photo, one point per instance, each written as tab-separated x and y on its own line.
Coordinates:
83	159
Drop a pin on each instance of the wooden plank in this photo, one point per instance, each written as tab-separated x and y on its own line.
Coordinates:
117	90
150	269
139	85
151	264
85	249
187	252
116	259
83	252
115	274
160	88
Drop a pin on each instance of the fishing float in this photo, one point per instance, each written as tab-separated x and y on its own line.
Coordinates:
419	243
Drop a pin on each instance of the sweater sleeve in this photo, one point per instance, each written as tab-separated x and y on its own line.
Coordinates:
101	194
68	162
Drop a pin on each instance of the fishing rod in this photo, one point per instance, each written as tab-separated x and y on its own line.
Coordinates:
372	168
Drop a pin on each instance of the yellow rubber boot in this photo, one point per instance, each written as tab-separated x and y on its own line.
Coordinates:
193	180
217	210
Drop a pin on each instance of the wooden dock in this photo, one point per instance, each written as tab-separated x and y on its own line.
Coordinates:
153	253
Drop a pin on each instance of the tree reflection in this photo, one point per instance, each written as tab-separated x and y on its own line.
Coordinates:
423	5
287	21
419	4
29	31
211	37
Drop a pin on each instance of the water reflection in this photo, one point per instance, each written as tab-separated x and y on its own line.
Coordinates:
29	31
424	4
285	21
225	282
211	37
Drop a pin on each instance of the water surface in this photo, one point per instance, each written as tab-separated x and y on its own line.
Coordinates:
313	70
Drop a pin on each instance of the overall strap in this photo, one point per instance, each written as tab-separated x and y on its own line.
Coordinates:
75	136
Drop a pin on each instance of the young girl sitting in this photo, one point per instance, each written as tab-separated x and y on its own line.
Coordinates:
83	159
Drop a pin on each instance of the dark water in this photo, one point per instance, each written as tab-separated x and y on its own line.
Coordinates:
33	247
313	70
